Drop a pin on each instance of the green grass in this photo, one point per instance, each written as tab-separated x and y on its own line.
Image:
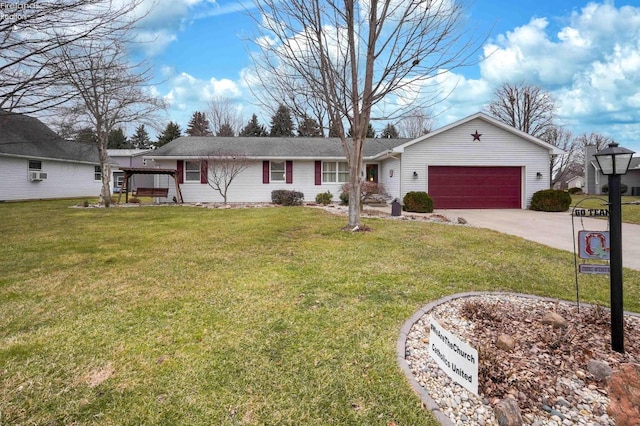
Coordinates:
193	316
630	212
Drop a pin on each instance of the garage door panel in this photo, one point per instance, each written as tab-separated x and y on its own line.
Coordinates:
453	187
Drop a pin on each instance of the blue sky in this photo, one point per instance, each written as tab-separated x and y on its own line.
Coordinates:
587	54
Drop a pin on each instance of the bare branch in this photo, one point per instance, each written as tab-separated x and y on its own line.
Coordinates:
32	35
527	108
108	92
352	58
224	117
222	168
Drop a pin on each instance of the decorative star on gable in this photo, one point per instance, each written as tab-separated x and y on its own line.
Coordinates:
476	136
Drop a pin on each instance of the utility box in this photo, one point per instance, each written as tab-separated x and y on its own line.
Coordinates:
396	208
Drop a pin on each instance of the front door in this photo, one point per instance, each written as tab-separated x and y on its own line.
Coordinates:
371	173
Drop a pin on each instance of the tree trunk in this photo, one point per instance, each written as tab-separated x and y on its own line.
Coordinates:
355	172
105	166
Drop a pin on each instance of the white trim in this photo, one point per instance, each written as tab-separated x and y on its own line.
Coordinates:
482	116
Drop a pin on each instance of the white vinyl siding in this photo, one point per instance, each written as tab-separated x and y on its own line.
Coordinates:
456	147
64	180
244	189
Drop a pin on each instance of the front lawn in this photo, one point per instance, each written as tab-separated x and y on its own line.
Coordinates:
630	212
192	316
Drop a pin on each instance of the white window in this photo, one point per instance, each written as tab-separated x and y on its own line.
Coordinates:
335	171
35	166
118	178
192	171
277	171
97	173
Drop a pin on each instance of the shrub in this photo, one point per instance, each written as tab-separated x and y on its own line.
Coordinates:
574	190
324	198
344	198
623	188
86	203
285	197
551	200
368	191
418	202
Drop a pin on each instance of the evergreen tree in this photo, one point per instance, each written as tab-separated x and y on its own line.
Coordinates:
171	132
199	125
390	132
117	139
309	128
226	130
371	133
141	139
86	135
281	122
253	128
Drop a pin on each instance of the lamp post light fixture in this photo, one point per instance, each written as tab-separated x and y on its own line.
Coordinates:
614	162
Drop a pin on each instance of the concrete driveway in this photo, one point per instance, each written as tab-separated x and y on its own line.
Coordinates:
551	229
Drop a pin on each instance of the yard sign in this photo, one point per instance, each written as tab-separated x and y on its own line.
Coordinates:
455	357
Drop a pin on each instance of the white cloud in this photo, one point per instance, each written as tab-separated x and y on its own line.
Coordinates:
187	94
465	97
590	64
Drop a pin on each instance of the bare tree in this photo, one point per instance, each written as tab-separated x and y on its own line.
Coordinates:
562	166
415	124
224	117
109	92
357	56
303	102
32	32
527	108
598	140
222	168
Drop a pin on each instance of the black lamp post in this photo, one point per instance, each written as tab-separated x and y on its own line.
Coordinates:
614	162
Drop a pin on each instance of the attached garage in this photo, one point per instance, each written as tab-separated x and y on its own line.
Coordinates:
475	163
475	187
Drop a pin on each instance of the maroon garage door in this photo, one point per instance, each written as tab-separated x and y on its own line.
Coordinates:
475	187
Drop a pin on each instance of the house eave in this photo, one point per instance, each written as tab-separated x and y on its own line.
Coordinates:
63	160
256	158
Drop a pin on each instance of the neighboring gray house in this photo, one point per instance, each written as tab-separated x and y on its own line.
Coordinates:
129	158
595	180
36	163
476	162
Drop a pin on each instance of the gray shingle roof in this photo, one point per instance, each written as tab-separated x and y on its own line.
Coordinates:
268	147
25	136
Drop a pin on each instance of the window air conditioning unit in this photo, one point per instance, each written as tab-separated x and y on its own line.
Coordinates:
37	176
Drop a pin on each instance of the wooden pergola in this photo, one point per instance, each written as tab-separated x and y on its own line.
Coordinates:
130	171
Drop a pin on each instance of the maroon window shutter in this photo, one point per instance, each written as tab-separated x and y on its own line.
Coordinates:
204	171
180	171
318	173
265	172
289	172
